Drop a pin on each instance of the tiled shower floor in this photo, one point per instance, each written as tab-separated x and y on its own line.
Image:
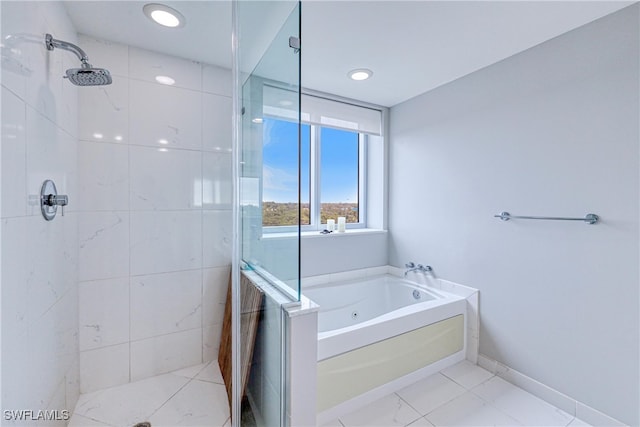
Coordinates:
194	396
462	395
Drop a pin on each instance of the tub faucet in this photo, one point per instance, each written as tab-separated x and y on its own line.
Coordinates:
411	266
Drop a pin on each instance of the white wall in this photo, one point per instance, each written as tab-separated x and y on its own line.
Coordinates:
550	131
39	258
342	252
155	222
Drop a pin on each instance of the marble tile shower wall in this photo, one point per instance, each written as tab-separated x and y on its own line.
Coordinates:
39	258
155	214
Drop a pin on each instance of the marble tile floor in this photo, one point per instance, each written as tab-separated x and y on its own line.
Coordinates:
461	395
194	396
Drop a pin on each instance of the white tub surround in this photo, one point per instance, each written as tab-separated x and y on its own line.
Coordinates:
470	295
352	373
379	333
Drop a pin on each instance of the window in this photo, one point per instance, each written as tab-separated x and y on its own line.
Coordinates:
331	175
333	158
339	175
280	173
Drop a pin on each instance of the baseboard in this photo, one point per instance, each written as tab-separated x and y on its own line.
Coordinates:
548	394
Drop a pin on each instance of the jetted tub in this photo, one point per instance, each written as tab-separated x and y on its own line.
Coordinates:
379	334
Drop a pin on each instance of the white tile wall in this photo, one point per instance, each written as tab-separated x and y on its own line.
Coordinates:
215	282
216	129
103	241
165	241
146	65
177	296
161	119
105	172
217	180
51	154
217	238
154	189
104	367
108	118
155	221
104	313
115	56
40	357
216	80
165	353
14	202
211	342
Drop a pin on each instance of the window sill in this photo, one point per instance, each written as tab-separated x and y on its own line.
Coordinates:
316	234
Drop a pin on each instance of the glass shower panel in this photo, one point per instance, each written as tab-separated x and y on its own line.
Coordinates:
270	181
268	59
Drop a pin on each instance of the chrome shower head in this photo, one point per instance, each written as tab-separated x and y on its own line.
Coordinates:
86	75
89	76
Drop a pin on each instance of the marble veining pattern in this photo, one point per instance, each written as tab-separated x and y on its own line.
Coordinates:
193	396
155	214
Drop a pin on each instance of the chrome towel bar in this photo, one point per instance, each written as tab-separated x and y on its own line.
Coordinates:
589	218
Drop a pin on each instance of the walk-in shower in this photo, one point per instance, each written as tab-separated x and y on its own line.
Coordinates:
87	75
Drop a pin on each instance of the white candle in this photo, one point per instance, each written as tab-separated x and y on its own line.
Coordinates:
342	224
331	224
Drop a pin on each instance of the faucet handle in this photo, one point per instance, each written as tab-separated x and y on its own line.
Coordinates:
410	264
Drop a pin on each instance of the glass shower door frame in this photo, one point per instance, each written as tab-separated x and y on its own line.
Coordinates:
280	296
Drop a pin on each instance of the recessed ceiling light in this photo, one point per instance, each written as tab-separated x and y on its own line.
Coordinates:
165	80
360	74
164	15
257	120
163	141
98	135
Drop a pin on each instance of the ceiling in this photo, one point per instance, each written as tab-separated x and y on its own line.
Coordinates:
206	37
411	46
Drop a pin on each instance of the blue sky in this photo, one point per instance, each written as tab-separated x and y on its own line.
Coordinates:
339	159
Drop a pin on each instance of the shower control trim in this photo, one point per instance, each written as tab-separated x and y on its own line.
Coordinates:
50	200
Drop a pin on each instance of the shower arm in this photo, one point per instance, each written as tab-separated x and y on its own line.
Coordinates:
53	43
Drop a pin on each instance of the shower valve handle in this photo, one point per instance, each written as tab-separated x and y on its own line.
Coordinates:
57	200
50	200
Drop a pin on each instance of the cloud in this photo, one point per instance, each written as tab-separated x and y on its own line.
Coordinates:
278	179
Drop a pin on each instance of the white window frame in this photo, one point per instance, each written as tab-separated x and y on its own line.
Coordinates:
314	190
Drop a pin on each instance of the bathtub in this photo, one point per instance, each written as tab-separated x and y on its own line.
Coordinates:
379	334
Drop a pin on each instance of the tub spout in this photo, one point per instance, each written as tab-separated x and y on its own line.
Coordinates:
421	268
